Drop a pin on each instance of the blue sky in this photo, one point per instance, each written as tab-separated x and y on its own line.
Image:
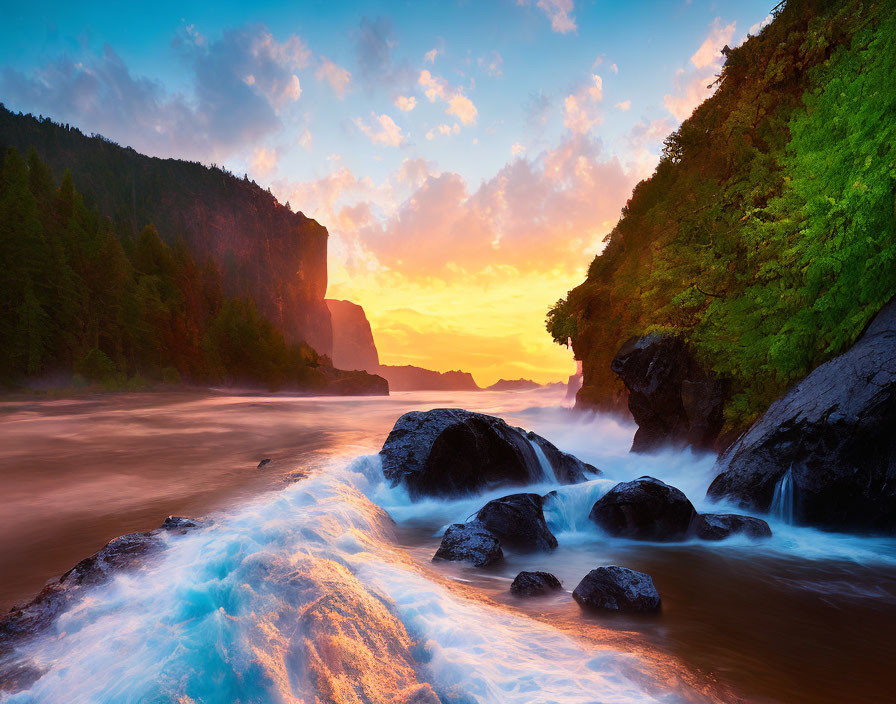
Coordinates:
457	151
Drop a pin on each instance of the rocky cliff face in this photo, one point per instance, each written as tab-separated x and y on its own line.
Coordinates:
825	452
266	252
410	378
353	346
672	398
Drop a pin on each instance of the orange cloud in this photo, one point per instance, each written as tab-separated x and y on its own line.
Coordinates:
453	277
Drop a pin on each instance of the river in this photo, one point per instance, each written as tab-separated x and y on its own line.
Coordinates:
314	581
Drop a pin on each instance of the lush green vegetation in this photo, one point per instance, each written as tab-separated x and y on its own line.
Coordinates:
767	235
79	294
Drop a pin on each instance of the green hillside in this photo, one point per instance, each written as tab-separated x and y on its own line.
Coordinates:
767	235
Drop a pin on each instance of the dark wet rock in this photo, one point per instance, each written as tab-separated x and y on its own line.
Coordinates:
673	399
836	433
518	521
617	589
534	584
121	553
470	542
450	451
266	461
718	526
645	509
294	477
181	524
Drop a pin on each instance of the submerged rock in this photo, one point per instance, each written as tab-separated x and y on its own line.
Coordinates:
534	584
450	451
617	589
672	398
834	433
718	526
266	461
470	542
645	509
518	521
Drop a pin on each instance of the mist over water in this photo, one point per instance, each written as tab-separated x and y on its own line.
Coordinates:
323	589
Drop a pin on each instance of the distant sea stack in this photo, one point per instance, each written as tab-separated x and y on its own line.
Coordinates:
353	346
265	251
410	378
514	385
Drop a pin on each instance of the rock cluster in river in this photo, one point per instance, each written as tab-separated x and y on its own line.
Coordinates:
649	509
451	452
469	542
835	433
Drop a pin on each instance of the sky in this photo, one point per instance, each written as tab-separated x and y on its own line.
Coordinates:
467	157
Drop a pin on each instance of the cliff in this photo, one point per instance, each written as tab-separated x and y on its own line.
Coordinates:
764	239
410	378
353	346
266	253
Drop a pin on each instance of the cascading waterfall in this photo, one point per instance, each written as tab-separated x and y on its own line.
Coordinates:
547	471
782	501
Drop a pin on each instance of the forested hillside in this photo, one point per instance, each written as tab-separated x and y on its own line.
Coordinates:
265	252
79	293
767	236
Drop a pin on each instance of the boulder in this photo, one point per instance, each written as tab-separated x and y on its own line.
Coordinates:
617	589
469	542
450	452
645	509
518	522
534	584
718	526
673	399
121	553
264	463
834	433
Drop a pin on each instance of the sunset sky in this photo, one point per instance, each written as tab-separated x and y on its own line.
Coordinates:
467	157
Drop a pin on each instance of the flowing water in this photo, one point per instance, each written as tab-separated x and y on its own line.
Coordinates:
314	581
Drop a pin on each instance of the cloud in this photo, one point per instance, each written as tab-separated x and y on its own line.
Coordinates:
624	105
431	55
263	161
580	108
493	64
516	149
338	77
759	26
436	88
446	130
414	171
614	68
461	106
693	85
389	134
708	53
374	45
560	14
405	104
239	84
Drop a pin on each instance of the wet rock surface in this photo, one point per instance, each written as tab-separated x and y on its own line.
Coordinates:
672	398
26	621
718	526
518	522
645	509
469	542
451	452
617	589
535	584
835	432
